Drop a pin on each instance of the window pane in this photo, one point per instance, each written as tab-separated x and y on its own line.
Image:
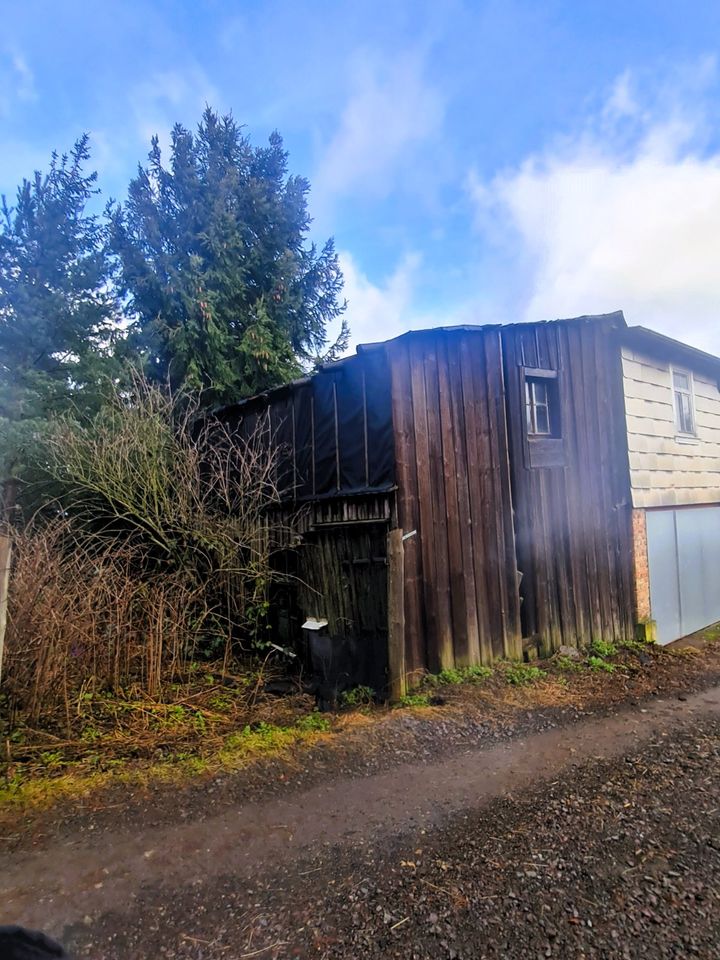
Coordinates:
542	419
540	390
541	406
529	407
684	413
681	381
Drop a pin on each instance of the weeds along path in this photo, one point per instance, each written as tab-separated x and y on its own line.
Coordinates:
78	879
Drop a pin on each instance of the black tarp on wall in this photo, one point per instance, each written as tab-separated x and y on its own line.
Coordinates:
333	430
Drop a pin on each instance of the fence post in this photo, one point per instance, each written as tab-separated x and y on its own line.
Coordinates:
8	502
396	614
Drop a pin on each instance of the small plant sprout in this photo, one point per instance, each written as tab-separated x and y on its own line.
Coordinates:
357	697
603	648
313	723
522	674
598	664
414	700
451	676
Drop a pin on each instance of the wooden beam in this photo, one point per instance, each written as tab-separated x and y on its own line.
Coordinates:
8	502
5	561
396	614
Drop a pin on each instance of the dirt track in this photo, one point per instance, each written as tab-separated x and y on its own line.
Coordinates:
250	877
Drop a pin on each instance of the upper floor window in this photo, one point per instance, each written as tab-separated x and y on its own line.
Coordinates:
541	406
682	385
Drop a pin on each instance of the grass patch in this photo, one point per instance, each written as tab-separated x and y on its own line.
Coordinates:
54	776
456	675
603	648
568	665
598	664
357	697
313	722
414	700
522	674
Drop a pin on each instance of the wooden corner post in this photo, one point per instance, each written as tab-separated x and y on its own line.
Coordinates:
396	614
8	502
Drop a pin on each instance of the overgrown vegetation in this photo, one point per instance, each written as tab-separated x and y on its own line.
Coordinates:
119	739
156	550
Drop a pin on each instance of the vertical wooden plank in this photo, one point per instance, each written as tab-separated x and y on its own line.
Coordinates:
459	406
425	513
511	640
461	655
406	462
475	406
8	503
594	472
568	507
523	502
439	544
552	484
622	501
5	563
396	614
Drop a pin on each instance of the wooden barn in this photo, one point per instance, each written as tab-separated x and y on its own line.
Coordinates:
465	495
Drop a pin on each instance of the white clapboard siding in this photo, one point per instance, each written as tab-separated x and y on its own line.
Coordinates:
667	470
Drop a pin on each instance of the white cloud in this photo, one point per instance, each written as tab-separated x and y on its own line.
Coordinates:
17	82
379	311
170	96
392	108
624	215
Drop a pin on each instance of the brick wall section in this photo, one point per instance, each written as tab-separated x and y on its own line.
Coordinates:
641	569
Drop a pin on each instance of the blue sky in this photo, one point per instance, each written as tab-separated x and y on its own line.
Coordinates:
475	161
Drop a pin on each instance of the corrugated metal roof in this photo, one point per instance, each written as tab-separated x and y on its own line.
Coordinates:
616	315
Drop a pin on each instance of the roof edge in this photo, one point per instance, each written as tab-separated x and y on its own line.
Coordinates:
669	348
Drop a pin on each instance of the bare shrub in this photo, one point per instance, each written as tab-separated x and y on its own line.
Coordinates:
78	623
186	490
159	544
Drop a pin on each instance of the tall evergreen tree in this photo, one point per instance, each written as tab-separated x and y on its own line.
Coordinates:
56	309
224	292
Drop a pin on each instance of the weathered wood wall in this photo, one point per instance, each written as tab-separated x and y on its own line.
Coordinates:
504	536
573	519
336	569
454	499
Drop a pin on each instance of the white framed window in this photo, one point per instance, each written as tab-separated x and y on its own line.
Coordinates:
683	401
542	407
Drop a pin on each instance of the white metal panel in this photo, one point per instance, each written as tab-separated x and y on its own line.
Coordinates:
664	581
684	561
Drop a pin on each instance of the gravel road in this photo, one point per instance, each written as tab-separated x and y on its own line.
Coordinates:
600	839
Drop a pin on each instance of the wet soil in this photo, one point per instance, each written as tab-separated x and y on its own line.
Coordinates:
352	865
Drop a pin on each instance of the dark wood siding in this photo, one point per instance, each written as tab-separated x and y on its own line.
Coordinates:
571	493
454	498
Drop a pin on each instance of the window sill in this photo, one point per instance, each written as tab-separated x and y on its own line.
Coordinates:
687	438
